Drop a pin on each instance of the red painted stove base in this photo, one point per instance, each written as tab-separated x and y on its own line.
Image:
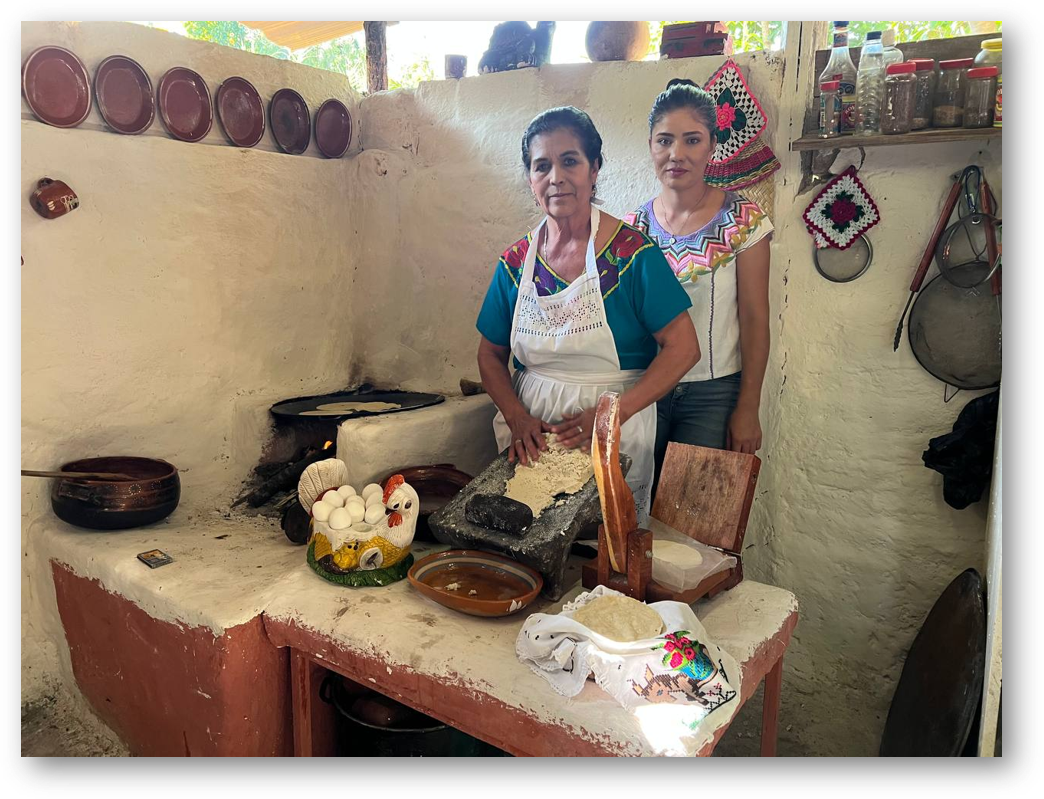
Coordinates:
168	690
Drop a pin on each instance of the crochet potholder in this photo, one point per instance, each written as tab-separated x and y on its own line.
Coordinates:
754	164
740	116
842	212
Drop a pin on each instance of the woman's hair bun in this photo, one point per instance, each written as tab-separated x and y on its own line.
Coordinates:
679	81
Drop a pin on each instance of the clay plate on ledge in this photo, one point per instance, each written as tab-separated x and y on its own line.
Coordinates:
184	104
56	87
124	94
333	129
240	112
502	586
290	121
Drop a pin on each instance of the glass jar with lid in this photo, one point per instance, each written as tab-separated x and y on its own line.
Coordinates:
980	97
948	107
924	92
990	54
899	97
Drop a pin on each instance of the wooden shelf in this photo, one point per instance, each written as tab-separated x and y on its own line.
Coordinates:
930	136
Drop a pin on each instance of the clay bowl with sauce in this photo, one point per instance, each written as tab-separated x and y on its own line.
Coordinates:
435	486
476	583
151	495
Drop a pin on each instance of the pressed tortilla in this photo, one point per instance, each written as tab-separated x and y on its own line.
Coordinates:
677	553
338	408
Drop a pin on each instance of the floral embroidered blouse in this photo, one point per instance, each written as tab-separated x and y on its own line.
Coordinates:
705	264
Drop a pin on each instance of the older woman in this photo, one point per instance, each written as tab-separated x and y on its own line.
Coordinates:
717	244
585	304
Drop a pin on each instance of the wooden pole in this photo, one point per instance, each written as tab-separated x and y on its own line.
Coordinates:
376	56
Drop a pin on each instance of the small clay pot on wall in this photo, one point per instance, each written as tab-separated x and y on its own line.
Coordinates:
617	41
53	198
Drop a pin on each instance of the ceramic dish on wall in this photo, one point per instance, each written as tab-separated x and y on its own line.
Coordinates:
333	129
56	87
291	123
240	112
184	104
124	95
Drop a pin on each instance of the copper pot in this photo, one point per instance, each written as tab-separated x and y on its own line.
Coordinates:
152	495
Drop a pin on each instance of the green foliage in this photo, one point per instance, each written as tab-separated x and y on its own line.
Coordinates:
346	56
412	75
907	31
765	35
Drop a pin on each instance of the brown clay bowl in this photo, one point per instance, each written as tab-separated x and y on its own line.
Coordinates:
152	495
501	586
436	486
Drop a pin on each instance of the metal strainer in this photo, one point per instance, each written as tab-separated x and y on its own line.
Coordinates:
842	266
962	254
955	334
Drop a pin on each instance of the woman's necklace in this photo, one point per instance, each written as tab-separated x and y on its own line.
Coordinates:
670	228
542	249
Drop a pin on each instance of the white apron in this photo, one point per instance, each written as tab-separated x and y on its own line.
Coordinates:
569	353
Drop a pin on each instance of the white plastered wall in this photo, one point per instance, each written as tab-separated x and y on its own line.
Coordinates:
409	229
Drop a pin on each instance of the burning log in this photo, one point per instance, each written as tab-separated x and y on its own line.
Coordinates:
286	477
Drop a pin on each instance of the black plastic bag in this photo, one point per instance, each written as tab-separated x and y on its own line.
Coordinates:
965	457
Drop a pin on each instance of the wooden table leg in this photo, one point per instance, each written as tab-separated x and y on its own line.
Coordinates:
770	709
314	722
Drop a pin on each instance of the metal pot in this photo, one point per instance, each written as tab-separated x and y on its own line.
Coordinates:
117	504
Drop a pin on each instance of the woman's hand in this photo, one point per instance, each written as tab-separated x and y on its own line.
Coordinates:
575	429
744	431
527	438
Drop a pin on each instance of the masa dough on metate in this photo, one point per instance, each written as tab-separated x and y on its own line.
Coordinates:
558	471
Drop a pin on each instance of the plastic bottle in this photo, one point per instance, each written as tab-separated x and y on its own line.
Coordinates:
870	86
892	54
830	110
841	69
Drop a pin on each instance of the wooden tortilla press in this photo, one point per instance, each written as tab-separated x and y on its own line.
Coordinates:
703	493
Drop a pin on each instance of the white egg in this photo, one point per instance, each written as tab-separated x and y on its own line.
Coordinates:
346	491
321	511
334	499
357	511
356	500
340	519
362	527
375	499
372	488
374	514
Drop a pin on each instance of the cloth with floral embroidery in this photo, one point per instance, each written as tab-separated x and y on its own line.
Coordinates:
842	212
681	668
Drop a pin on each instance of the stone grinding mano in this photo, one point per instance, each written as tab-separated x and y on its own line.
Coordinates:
543	545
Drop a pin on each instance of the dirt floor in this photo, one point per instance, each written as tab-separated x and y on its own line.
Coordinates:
61	726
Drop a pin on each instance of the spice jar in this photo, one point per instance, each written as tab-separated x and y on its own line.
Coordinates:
948	108
924	94
980	97
997	110
830	109
990	54
899	96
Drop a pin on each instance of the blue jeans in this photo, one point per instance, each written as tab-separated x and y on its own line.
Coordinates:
696	413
